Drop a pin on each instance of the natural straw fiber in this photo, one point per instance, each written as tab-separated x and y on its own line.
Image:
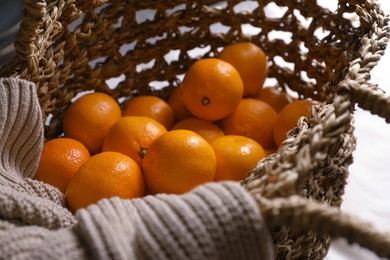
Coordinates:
68	47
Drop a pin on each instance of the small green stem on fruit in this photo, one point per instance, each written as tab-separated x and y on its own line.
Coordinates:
142	152
205	101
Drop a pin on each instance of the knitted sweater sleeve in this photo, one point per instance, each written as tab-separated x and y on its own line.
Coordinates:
213	221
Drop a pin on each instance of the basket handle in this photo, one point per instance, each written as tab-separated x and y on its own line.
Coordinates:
308	215
41	23
367	95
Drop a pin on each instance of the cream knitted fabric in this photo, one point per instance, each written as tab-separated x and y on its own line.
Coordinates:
214	221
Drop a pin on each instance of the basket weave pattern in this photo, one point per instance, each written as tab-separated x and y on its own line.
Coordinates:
68	47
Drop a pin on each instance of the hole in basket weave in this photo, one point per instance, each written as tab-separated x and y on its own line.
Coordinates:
175	9
303	21
114	82
353	17
220	5
320	33
280	35
184	29
145	15
249	30
306	78
153	40
172	56
96	61
331	5
144	66
127	47
159	84
219	28
272	10
249	6
282	63
198	52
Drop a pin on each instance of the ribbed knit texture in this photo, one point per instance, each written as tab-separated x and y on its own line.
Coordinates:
214	221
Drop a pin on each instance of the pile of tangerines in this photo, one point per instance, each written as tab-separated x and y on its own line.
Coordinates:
215	126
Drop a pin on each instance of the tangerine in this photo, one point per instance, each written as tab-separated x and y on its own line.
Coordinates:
206	129
250	62
275	97
104	175
89	118
288	117
212	89
132	136
177	162
153	107
59	161
175	100
236	156
253	118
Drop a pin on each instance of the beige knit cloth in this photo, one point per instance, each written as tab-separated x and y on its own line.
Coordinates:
214	221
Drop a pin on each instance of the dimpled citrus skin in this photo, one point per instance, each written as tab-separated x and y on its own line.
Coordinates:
254	119
206	129
274	97
250	62
59	161
236	156
153	107
89	118
212	89
175	100
132	136
105	175
177	162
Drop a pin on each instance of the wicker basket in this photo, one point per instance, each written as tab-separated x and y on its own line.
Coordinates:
68	47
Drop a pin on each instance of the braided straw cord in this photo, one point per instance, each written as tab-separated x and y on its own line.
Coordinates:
67	47
367	95
305	215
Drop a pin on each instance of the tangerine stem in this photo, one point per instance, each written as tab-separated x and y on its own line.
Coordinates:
142	152
205	101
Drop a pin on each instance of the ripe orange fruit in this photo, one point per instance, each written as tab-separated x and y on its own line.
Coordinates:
175	100
212	89
178	161
132	136
254	119
236	156
288	117
206	129
250	62
275	97
89	118
104	175
269	151
59	161
153	107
